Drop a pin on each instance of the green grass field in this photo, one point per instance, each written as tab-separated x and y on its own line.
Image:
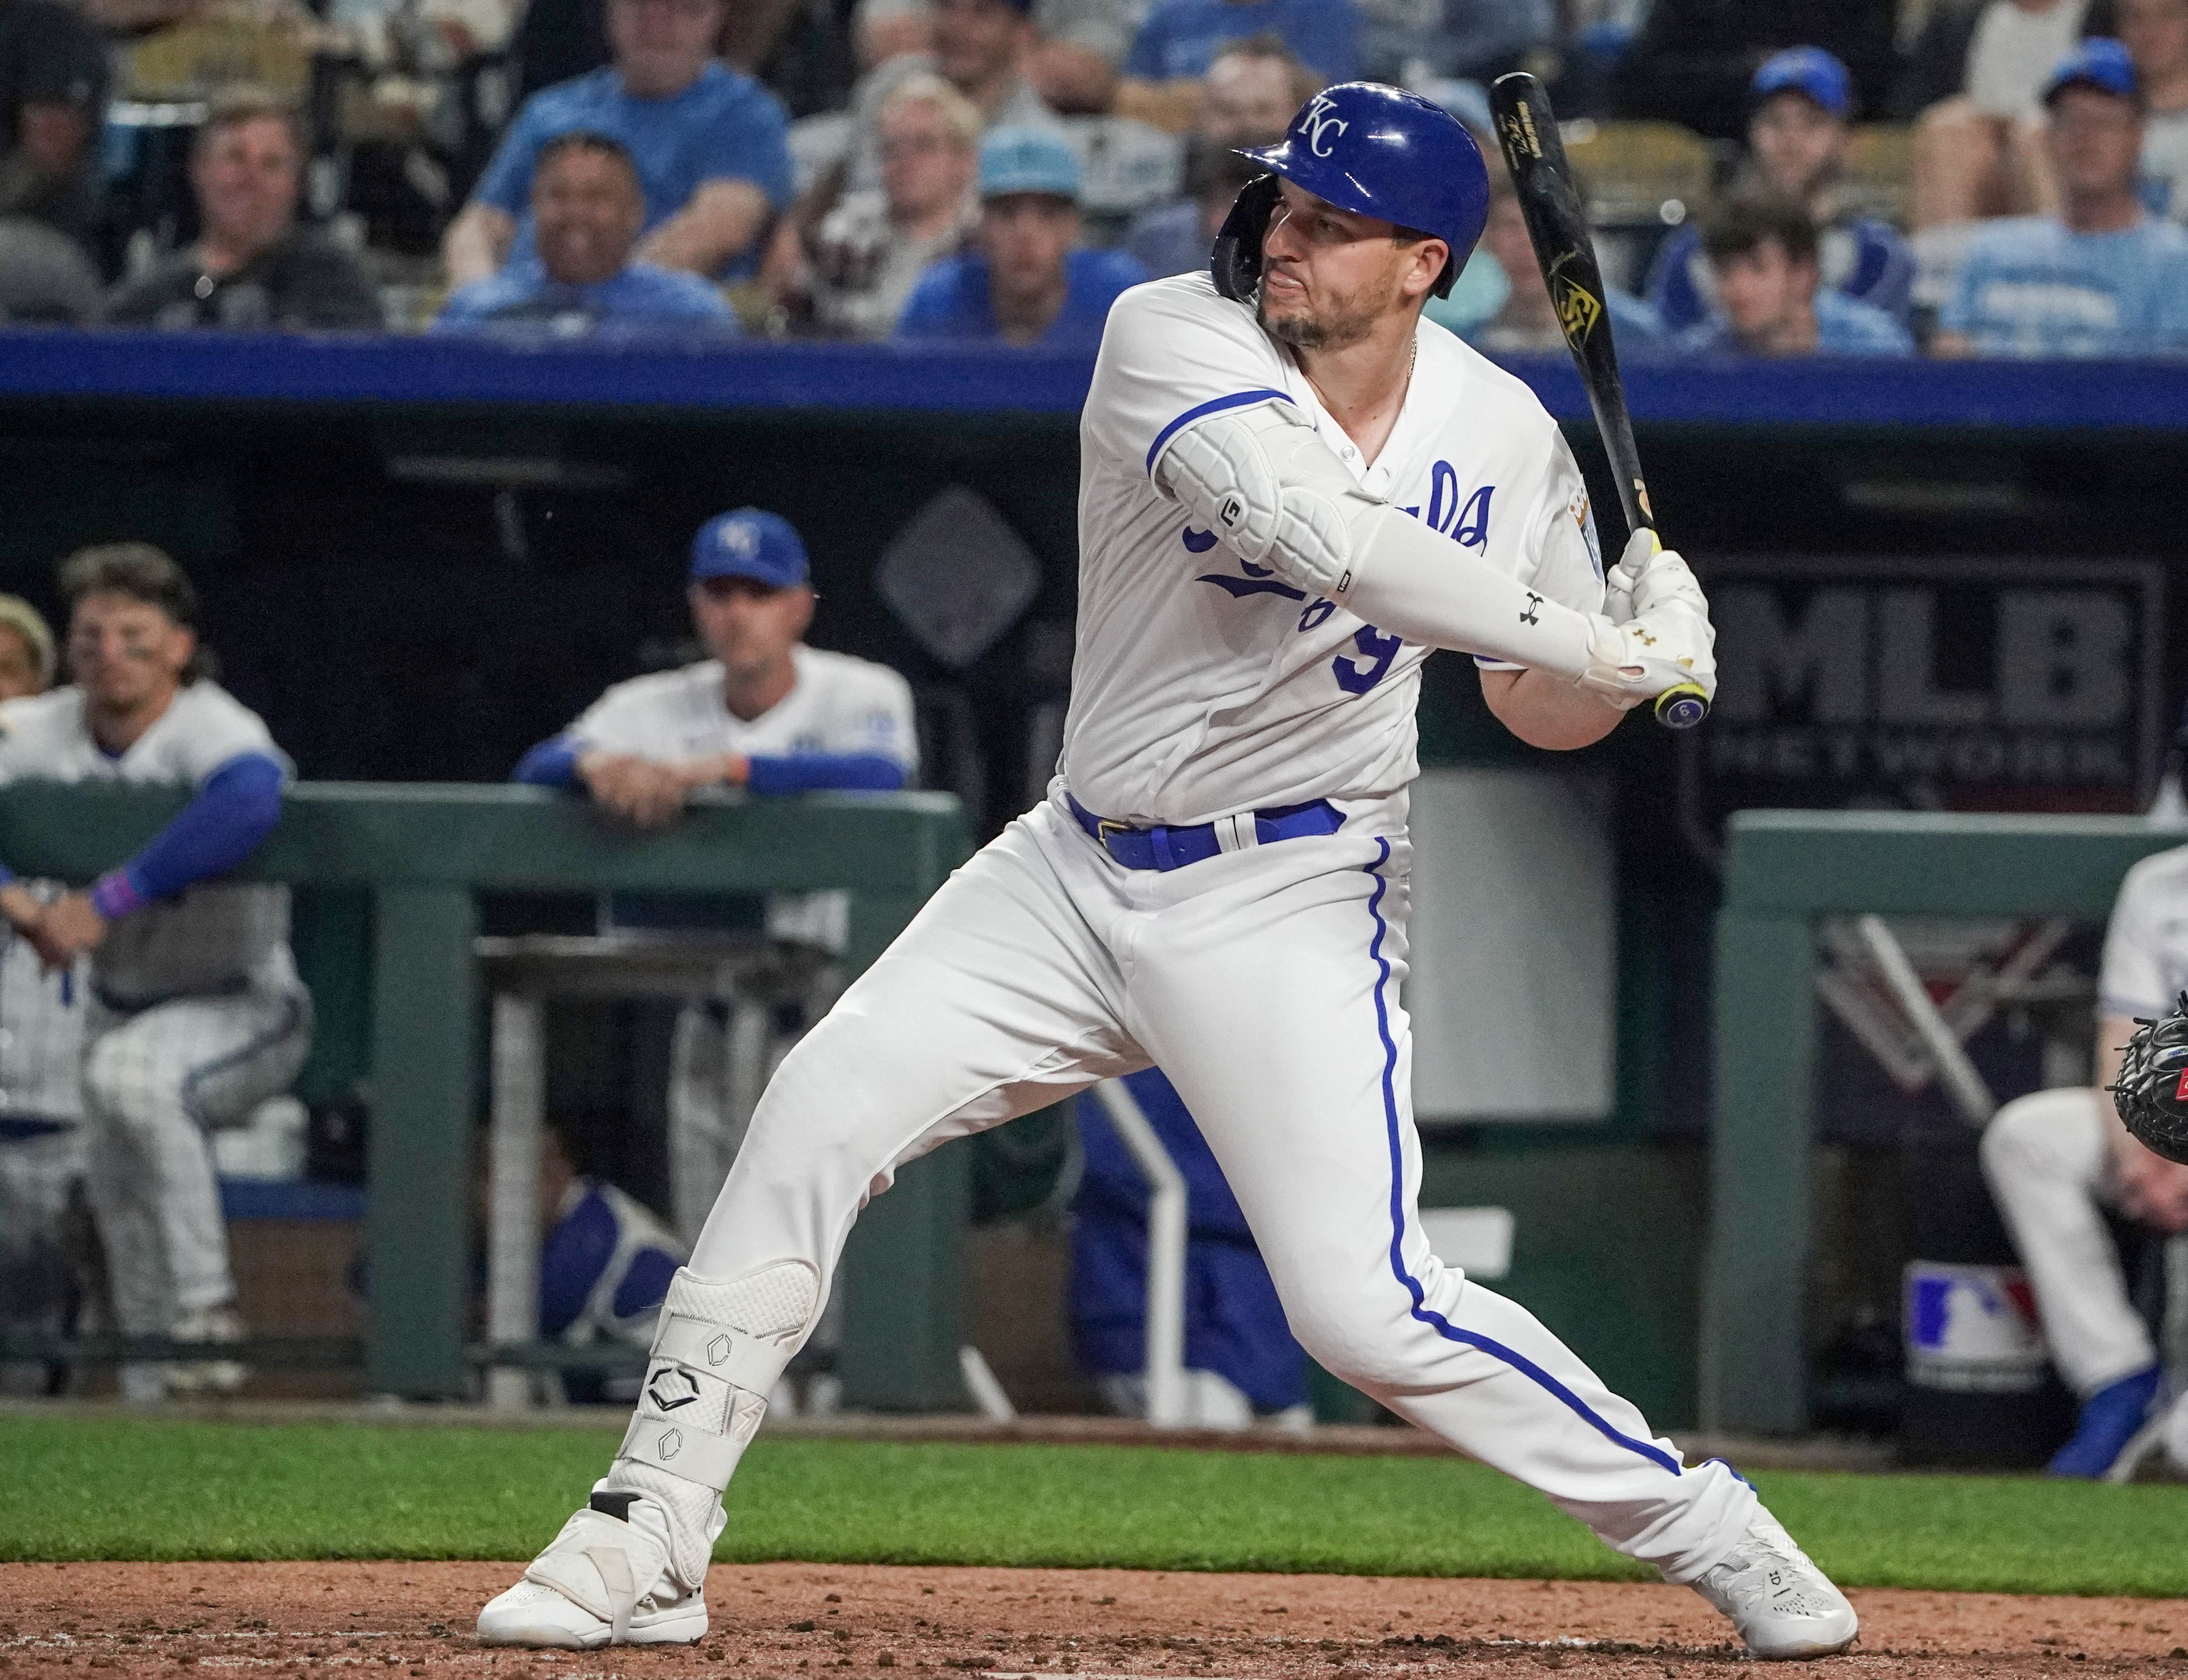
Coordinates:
82	1489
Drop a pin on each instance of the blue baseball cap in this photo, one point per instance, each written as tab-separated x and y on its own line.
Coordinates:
1025	159
1809	71
750	542
2099	62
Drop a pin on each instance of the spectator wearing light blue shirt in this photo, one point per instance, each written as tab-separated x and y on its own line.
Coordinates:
2102	278
1800	103
710	144
1028	283
1772	301
587	209
1181	38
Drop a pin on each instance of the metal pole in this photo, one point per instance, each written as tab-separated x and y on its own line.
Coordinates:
1166	1312
513	1259
1963	1084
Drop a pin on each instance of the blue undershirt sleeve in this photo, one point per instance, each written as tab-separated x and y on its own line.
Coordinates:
551	763
234	812
799	772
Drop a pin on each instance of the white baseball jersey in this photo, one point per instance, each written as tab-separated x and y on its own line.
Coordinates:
214	937
2146	962
40	1031
1203	684
838	704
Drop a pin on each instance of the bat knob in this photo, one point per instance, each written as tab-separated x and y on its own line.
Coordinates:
1681	708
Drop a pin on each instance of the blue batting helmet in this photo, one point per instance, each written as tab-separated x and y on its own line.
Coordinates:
1381	151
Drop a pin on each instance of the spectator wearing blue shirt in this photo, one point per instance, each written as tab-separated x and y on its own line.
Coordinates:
710	145
1800	102
1772	301
1181	38
2102	278
1028	283
587	209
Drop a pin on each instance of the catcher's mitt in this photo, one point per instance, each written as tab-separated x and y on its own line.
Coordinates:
2151	1095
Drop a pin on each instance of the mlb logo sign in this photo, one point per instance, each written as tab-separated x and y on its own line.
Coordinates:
1971	1329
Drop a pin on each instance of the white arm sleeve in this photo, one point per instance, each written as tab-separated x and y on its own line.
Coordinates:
1262	477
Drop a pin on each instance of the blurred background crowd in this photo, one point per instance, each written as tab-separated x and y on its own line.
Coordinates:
1777	176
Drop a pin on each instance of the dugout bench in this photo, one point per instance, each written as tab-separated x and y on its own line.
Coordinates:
424	852
1784	870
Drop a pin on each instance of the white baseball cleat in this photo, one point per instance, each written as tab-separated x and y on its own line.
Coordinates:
1784	1606
602	1581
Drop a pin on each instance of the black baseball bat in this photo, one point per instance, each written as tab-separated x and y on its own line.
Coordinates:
1557	225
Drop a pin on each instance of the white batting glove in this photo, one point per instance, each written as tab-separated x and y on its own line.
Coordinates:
1672	643
1647	575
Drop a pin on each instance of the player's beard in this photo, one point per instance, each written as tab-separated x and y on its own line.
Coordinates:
1347	320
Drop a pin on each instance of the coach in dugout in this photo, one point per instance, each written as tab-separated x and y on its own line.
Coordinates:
765	712
196	1013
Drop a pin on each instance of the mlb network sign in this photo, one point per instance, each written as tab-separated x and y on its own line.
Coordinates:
1950	684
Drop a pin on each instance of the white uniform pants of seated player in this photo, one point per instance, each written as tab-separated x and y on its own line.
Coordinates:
1265	983
2045	1158
155	1081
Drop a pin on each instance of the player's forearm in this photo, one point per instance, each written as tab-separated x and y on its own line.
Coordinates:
1548	712
802	772
476	242
1410	580
228	821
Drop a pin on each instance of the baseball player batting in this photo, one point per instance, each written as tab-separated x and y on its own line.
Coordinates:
1292	489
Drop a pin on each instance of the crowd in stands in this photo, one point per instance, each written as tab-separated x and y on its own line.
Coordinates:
1769	177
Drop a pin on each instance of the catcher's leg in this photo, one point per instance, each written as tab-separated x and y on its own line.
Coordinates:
994	1002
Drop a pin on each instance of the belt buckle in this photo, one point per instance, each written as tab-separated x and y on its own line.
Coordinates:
1103	828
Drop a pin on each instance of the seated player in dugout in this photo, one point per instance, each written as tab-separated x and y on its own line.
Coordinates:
1218	881
42	1281
2058	1160
196	1013
605	1263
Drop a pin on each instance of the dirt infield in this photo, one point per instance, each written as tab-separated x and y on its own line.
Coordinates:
778	1620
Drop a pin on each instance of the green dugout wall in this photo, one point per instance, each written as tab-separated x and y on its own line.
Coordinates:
1784	871
423	853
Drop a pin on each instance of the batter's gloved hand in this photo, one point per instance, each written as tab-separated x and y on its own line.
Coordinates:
1671	643
1647	575
2151	1092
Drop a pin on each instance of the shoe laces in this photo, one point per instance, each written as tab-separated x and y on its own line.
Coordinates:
1767	1569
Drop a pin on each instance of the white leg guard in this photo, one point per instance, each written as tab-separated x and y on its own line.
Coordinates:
631	1567
719	1348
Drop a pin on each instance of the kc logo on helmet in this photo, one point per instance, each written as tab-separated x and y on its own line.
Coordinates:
1317	119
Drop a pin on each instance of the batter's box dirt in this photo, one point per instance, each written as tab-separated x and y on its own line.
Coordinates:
792	1621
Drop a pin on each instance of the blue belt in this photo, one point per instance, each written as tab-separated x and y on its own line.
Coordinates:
1165	848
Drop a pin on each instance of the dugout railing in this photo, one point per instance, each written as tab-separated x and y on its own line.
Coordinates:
1784	871
423	853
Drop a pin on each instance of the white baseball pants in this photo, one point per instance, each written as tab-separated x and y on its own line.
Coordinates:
37	1275
2045	1158
1265	983
155	1083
